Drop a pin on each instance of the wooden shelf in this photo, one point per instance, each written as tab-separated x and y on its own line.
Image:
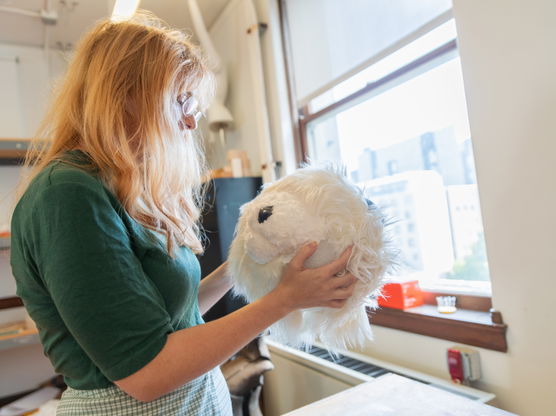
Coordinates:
477	328
21	339
23	336
14	150
13	147
10	302
21	333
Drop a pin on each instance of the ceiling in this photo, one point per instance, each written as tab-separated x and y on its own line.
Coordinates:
75	16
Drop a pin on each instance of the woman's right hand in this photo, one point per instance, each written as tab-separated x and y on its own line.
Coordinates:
301	287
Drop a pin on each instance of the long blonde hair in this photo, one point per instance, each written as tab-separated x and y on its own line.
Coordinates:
118	103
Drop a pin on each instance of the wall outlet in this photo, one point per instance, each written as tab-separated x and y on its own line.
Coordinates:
464	364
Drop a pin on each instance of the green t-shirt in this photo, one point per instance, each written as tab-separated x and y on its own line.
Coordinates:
100	287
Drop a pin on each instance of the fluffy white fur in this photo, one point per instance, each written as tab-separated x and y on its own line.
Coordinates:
313	204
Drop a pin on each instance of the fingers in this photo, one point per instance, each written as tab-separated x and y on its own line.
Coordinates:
344	284
346	280
339	264
303	254
319	286
344	292
336	303
190	105
190	122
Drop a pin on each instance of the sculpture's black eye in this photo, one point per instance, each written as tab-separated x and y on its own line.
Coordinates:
369	203
264	213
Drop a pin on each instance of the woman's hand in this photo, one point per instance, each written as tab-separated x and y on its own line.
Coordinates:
302	288
214	342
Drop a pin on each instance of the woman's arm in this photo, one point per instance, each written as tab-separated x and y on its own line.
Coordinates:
213	287
190	352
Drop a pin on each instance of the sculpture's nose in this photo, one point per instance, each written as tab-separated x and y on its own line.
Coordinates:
264	213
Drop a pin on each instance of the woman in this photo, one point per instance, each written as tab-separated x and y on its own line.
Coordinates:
105	235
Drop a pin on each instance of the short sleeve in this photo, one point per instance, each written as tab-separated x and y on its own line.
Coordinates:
107	302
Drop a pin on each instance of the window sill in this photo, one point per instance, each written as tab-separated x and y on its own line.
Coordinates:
472	327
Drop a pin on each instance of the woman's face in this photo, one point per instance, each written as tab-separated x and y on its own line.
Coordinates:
189	111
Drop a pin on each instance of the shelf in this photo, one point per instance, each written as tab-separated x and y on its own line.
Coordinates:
21	336
4	243
13	150
477	328
13	147
10	302
30	337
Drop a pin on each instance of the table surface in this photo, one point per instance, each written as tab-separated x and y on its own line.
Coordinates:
393	395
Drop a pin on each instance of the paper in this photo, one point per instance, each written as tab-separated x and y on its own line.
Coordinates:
48	409
30	402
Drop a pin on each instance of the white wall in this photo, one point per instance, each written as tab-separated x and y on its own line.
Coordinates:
240	52
10	116
507	54
509	67
257	96
32	84
507	50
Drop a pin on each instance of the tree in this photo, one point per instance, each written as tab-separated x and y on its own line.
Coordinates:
473	266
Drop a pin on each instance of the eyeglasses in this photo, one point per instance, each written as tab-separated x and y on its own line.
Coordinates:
189	105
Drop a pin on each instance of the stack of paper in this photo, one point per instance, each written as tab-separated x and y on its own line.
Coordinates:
30	402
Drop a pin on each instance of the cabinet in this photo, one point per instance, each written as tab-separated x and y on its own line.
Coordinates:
223	200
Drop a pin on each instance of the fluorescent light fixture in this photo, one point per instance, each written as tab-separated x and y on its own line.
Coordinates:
124	9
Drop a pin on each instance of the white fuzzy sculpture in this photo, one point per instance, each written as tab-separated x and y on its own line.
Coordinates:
312	204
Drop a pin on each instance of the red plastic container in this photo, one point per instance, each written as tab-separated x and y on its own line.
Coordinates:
402	295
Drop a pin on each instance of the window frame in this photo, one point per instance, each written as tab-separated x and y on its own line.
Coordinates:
476	322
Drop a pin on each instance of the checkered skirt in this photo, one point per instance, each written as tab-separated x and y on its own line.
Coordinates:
207	395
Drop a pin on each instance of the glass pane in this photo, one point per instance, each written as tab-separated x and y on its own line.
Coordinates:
331	37
410	149
419	47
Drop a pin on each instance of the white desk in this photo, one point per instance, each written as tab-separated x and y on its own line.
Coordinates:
393	395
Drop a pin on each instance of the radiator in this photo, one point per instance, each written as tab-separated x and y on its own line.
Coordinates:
303	377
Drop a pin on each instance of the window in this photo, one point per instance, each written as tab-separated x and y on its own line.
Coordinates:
386	100
404	137
397	121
